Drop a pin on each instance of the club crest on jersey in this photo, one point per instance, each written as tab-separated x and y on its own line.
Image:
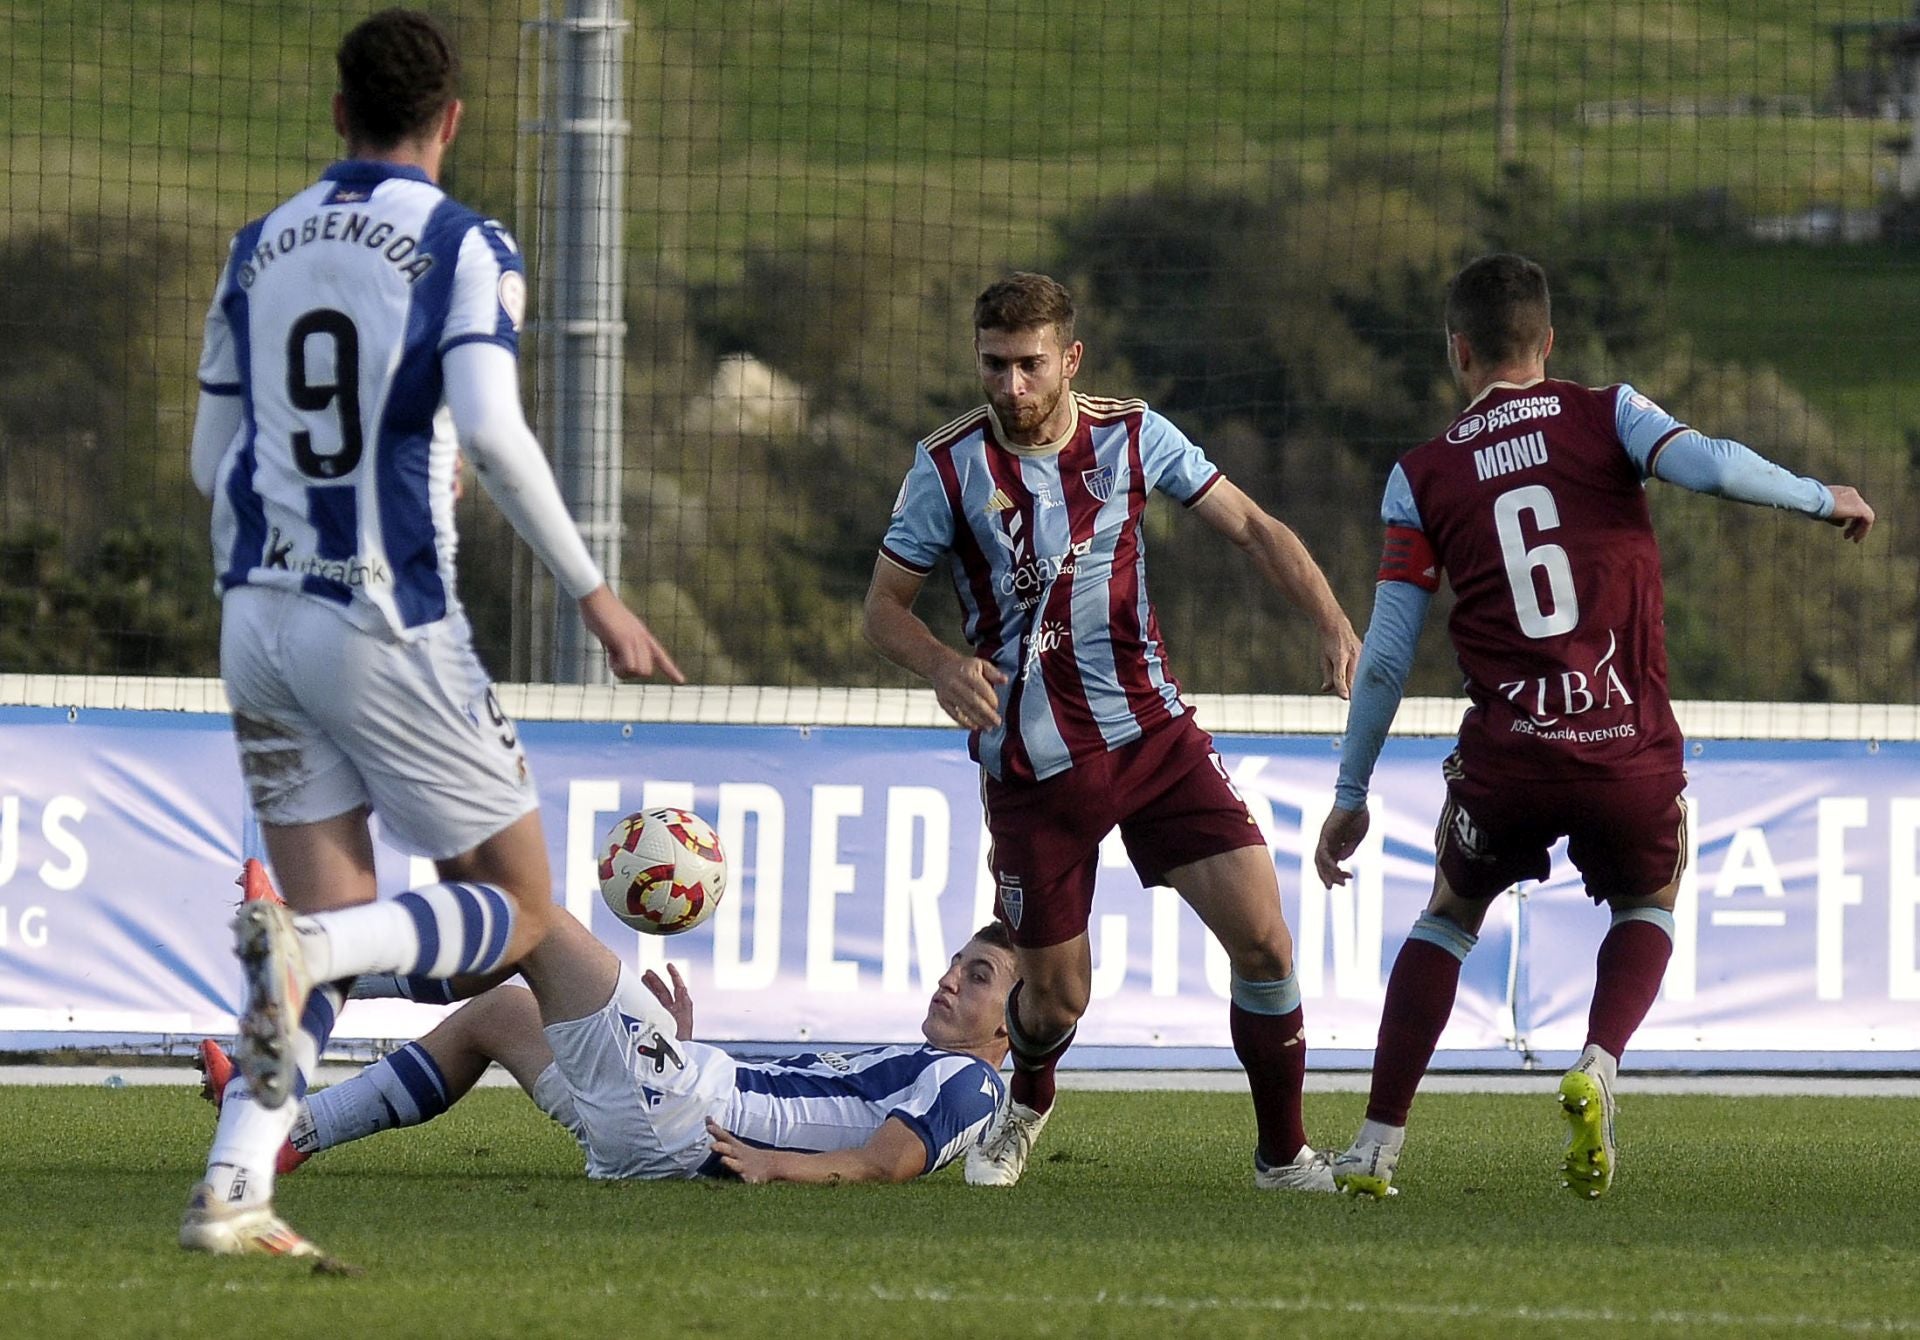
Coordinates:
1099	482
1012	899
513	296
650	1044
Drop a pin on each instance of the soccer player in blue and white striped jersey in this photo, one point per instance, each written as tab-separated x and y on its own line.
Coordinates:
612	1059
362	335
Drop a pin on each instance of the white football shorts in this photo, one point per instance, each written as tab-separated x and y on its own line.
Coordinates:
329	716
635	1110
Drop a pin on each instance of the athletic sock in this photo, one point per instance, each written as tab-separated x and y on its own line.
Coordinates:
404	1088
441	930
1269	1033
393	986
1380	1133
246	1144
1627	972
1420	992
1034	1059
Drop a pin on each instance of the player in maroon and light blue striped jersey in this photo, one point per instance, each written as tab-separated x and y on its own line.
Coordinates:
1533	505
1078	725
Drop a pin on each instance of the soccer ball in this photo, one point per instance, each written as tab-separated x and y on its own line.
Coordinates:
661	871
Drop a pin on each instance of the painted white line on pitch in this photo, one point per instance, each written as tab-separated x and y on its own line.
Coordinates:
1673	1318
1668	1318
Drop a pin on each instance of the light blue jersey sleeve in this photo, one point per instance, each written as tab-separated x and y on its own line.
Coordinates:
1386	659
1664	448
922	527
1397	507
1173	464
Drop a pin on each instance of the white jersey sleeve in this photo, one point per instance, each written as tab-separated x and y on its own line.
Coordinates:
489	299
483	393
950	1105
219	361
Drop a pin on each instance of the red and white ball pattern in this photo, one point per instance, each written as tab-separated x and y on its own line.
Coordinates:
662	871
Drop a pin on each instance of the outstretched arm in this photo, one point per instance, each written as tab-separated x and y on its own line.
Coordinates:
893	1154
1289	569
964	685
1664	448
483	392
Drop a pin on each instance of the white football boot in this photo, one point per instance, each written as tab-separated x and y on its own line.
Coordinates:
277	986
223	1230
1368	1165
1001	1156
1311	1170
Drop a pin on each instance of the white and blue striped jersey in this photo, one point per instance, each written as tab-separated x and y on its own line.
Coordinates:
821	1101
329	323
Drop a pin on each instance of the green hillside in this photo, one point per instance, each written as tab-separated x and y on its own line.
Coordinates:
1256	201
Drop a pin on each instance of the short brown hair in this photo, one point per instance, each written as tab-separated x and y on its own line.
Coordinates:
1024	300
398	72
1500	303
995	933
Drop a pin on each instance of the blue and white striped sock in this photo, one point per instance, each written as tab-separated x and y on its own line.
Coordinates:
392	986
442	930
404	1088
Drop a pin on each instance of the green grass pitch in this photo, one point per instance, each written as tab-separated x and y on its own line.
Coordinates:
1732	1217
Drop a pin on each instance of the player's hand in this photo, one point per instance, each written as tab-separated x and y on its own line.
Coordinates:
1339	838
1339	654
679	1001
633	652
964	687
1850	512
748	1162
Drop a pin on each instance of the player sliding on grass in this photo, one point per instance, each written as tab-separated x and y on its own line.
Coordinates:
1040	498
617	1066
358	330
1533	505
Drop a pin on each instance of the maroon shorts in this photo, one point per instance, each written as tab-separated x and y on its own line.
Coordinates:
1626	835
1167	791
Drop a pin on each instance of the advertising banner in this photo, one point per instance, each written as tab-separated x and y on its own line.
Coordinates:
857	868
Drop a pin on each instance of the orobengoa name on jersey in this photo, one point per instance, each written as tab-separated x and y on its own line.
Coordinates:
335	225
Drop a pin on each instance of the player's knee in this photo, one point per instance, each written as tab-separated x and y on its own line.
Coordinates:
495	1014
1267	961
1051	1006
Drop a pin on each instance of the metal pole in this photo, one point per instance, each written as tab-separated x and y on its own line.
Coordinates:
1508	134
583	335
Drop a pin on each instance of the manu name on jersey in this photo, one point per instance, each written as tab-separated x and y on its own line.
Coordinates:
1050	565
329	322
822	1101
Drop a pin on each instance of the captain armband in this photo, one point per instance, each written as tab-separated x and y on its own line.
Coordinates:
1407	556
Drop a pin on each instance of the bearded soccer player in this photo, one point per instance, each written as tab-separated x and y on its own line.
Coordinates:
361	334
1533	505
1075	718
